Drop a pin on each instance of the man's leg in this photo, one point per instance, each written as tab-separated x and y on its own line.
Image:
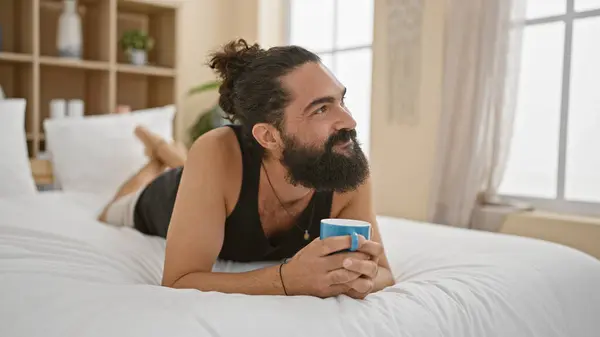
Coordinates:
172	155
162	155
145	176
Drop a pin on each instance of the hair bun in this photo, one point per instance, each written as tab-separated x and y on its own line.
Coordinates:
229	63
233	58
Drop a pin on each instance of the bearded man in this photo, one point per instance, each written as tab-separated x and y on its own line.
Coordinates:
257	190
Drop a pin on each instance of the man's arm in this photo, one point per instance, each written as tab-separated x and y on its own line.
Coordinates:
360	207
196	235
196	230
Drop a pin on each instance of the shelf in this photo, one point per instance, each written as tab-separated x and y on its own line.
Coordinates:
146	70
141	91
73	63
147	6
31	136
59	3
42	171
58	6
15	57
91	86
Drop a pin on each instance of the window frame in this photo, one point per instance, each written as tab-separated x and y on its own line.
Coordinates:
333	51
560	204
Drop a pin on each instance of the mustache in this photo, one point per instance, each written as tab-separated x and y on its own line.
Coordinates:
342	136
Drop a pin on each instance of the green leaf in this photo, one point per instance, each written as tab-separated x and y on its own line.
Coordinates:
136	39
204	123
213	85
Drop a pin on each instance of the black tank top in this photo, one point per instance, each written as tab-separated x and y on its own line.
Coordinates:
244	239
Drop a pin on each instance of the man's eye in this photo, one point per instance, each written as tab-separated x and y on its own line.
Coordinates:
321	110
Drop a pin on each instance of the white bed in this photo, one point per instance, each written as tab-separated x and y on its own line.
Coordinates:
64	274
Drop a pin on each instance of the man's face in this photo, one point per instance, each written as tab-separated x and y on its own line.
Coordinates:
320	149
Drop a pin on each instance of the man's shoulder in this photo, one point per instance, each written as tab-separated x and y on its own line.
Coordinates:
217	143
217	155
217	150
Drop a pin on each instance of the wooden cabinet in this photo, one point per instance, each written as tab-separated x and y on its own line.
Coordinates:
30	67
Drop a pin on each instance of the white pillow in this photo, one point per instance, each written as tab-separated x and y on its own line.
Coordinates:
97	154
15	171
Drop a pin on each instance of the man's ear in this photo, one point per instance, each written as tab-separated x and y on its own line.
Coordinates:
267	136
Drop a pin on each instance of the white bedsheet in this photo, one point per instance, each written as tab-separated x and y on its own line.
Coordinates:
64	274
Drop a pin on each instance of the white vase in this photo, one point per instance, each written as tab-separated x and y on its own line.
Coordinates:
58	108
138	57
75	108
69	39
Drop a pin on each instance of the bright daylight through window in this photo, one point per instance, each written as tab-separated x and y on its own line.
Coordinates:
555	151
341	33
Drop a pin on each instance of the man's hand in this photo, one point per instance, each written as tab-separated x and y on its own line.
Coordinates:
366	268
315	271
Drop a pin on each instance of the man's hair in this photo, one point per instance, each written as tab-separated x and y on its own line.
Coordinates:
251	91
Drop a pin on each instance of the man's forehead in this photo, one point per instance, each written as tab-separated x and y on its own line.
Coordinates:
311	80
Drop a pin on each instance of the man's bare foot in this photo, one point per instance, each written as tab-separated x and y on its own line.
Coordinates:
157	148
150	140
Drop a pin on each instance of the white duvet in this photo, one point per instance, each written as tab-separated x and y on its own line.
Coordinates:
64	274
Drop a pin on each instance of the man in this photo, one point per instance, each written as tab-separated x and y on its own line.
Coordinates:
257	190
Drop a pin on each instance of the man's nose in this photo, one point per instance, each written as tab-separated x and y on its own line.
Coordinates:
346	120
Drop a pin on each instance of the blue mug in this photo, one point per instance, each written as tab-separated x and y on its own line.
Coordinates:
343	227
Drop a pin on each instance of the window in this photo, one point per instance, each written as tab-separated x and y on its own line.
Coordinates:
554	160
341	33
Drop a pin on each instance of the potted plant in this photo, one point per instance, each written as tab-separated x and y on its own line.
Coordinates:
211	118
136	44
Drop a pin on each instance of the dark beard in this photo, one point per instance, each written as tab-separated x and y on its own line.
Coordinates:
324	169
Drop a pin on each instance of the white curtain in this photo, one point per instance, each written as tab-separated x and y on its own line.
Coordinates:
481	64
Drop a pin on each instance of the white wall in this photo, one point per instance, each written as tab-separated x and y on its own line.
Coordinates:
196	19
207	24
402	156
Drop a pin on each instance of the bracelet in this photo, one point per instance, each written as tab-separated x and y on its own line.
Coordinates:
281	277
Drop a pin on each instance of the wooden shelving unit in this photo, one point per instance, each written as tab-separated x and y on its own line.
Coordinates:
30	67
146	70
15	57
72	63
